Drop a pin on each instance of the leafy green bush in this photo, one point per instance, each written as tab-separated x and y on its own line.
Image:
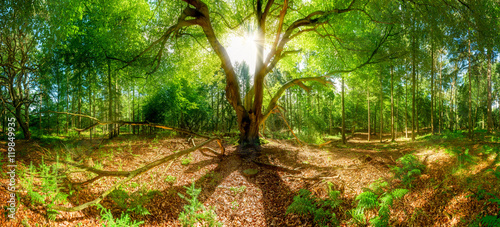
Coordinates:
407	169
124	220
322	210
377	196
195	212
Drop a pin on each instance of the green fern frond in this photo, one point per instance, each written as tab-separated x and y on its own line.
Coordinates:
399	192
367	200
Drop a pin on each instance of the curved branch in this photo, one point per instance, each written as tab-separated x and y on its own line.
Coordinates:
130	175
227	23
298	82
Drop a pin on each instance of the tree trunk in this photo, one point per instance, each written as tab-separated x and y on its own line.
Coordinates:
343	113
392	105
406	108
110	102
40	114
79	85
490	119
67	103
368	100
416	102
133	108
23	123
440	98
90	110
398	102
471	133
413	93
432	88
381	110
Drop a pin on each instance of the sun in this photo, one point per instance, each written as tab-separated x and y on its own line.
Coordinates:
242	49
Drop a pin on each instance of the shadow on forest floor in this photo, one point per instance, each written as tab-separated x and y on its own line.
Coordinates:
456	169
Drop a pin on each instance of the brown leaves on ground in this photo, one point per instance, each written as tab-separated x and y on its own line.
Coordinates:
438	198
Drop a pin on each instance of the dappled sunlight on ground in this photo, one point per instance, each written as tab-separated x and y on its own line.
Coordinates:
441	194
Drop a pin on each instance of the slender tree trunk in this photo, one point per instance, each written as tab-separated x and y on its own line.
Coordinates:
79	102
117	107
40	114
471	133
413	93
440	98
67	103
368	100
133	108
90	109
381	110
432	88
416	102
392	105
110	102
343	113
489	116
57	103
397	114
452	104
375	119
406	108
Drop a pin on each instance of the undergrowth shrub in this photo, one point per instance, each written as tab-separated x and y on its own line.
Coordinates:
464	158
42	185
488	220
408	168
109	221
377	196
195	212
133	202
322	210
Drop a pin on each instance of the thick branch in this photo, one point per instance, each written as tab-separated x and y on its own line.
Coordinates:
130	175
298	82
98	122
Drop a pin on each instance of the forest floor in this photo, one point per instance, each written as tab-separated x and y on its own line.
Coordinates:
456	168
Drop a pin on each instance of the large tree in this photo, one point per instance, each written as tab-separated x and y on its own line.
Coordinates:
279	29
18	40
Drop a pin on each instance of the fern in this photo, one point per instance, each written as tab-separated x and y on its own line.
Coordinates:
376	196
133	202
48	192
124	220
306	204
409	168
367	200
490	220
195	212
